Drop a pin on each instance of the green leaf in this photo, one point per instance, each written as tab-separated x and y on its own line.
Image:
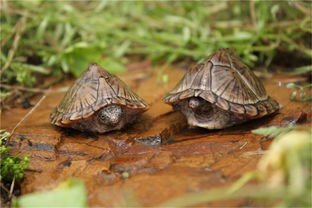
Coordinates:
301	70
274	131
274	10
79	56
122	49
43	26
300	93
70	193
291	85
112	65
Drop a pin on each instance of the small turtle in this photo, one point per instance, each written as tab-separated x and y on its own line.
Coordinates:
98	102
221	92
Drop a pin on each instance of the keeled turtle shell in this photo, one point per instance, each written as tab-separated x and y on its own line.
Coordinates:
224	80
95	89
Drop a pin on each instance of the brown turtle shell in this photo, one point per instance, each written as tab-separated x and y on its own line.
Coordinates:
95	89
224	80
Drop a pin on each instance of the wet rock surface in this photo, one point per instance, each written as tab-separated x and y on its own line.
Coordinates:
156	159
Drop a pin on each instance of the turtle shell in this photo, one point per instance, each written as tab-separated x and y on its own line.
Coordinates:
95	89
225	81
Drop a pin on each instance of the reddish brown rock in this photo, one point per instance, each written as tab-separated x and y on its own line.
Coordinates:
116	163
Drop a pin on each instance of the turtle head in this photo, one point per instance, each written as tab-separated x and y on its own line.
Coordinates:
199	105
194	103
110	115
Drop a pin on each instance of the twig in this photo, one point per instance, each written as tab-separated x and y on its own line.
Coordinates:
301	8
12	188
285	23
241	147
5	8
218	7
18	93
35	90
28	114
253	13
20	27
33	170
5	40
4	188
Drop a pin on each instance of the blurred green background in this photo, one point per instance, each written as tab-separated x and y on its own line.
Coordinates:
40	38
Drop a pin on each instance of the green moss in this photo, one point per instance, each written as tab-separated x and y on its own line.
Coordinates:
11	166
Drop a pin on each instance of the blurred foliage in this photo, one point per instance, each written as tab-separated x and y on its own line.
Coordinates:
64	37
301	92
287	164
274	131
301	70
70	193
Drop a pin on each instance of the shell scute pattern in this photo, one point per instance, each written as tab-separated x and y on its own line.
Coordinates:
226	91
95	89
225	76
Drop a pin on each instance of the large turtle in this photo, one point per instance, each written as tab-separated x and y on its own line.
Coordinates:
98	102
221	92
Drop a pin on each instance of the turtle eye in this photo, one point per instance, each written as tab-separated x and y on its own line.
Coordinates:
103	117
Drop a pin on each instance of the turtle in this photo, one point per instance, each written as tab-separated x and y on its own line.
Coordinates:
98	102
220	92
